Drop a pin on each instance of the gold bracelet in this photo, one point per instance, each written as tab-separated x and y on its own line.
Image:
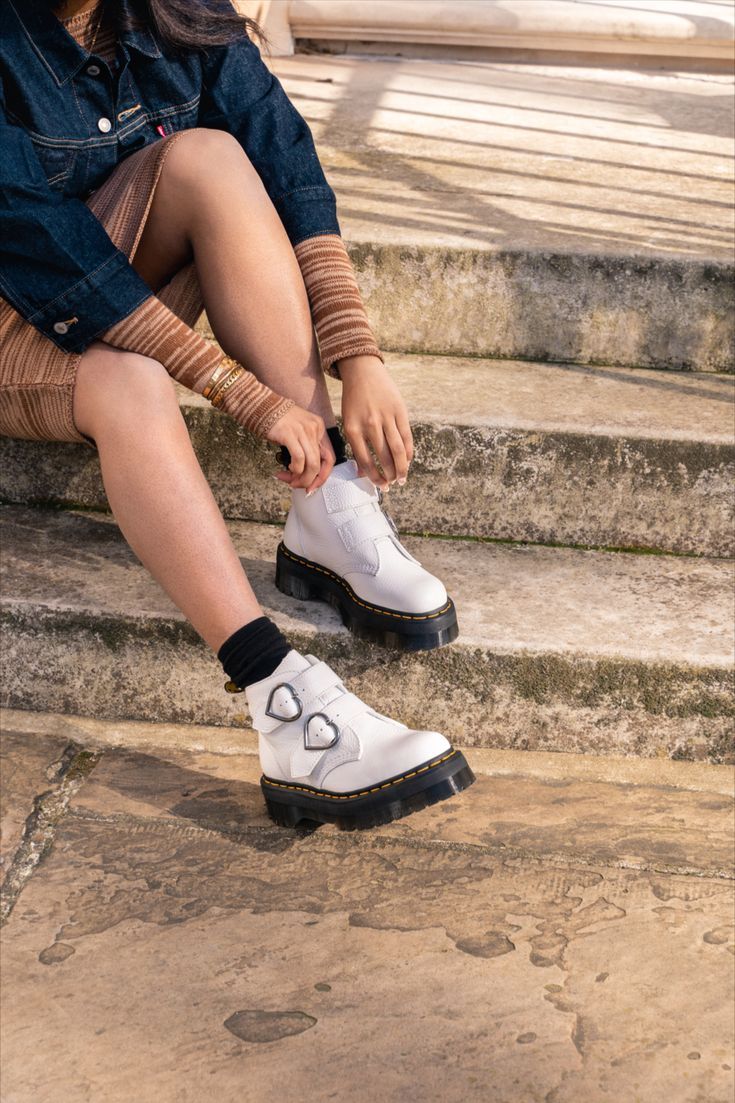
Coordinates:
214	391
231	378
216	374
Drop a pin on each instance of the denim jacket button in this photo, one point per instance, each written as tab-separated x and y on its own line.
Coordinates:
61	328
94	70
104	125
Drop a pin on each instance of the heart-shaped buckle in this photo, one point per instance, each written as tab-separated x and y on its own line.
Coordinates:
287	702
313	732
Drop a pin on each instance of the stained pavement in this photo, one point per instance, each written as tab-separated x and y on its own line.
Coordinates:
543	937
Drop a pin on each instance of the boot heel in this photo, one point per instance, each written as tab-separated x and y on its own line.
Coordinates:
285	815
290	815
290	581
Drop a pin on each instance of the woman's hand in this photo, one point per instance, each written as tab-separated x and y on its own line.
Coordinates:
373	413
312	455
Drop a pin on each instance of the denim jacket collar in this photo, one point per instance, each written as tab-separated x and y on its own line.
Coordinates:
58	50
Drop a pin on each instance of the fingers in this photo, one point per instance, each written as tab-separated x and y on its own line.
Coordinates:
298	461
306	452
365	461
406	436
325	467
383	453
394	441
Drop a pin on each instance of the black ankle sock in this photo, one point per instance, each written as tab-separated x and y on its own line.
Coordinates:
253	652
336	440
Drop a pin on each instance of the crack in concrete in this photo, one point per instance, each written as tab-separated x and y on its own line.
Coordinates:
39	831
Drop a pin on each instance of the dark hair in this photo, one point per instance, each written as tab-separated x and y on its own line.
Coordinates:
183	24
194	24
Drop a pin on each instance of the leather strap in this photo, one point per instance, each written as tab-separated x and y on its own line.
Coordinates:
307	686
304	760
340	494
345	709
359	529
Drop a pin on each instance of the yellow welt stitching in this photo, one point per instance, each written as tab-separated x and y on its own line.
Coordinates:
324	795
353	597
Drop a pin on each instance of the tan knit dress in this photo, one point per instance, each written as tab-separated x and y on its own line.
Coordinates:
37	378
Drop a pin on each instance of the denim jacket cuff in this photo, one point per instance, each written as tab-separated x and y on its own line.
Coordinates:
106	296
308	212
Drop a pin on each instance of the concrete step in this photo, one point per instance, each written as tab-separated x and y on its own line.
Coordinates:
681	32
608	457
522	211
559	649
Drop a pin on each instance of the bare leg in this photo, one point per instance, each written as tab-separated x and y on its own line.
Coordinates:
157	491
210	204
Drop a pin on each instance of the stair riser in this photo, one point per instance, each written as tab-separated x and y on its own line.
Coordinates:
544	487
157	669
613	310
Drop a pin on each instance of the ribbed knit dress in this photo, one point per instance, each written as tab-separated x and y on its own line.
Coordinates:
37	378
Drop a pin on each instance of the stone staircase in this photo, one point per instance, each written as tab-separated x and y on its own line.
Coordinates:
537	281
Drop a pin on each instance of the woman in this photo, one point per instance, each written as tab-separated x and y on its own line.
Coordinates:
153	167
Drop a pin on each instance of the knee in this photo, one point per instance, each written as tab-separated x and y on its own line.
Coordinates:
202	155
122	388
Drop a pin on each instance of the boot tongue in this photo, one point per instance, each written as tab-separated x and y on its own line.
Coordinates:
344	472
361	496
293	663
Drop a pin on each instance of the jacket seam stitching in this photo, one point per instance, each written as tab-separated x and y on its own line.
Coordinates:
65	143
69	290
297	191
319	233
108	325
35	48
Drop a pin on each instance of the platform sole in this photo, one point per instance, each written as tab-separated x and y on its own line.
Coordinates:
438	779
308	581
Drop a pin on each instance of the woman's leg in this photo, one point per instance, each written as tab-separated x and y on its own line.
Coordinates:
342	762
157	491
210	205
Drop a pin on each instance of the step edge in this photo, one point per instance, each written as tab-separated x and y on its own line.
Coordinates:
28	611
229	741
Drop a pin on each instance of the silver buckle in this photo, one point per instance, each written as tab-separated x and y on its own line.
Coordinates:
320	746
294	695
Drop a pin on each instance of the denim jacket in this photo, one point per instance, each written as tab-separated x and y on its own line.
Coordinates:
66	121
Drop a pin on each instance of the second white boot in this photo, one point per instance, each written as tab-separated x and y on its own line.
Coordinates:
340	547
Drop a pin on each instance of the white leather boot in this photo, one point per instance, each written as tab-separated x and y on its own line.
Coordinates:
339	546
327	757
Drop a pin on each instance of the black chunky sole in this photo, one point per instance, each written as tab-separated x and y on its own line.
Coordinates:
291	805
309	581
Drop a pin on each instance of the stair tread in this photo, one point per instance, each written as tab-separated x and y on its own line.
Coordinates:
508	449
495	155
511	599
530	395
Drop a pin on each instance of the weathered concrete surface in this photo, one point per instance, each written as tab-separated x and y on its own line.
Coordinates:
559	649
217	741
174	946
611	457
522	211
639	826
27	769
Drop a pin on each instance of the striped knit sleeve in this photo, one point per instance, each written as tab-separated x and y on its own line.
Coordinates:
340	321
154	330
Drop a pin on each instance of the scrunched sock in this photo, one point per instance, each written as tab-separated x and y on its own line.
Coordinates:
253	652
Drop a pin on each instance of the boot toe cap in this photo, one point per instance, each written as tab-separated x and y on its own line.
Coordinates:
418	593
404	752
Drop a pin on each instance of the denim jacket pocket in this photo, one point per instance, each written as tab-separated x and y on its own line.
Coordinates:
57	161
